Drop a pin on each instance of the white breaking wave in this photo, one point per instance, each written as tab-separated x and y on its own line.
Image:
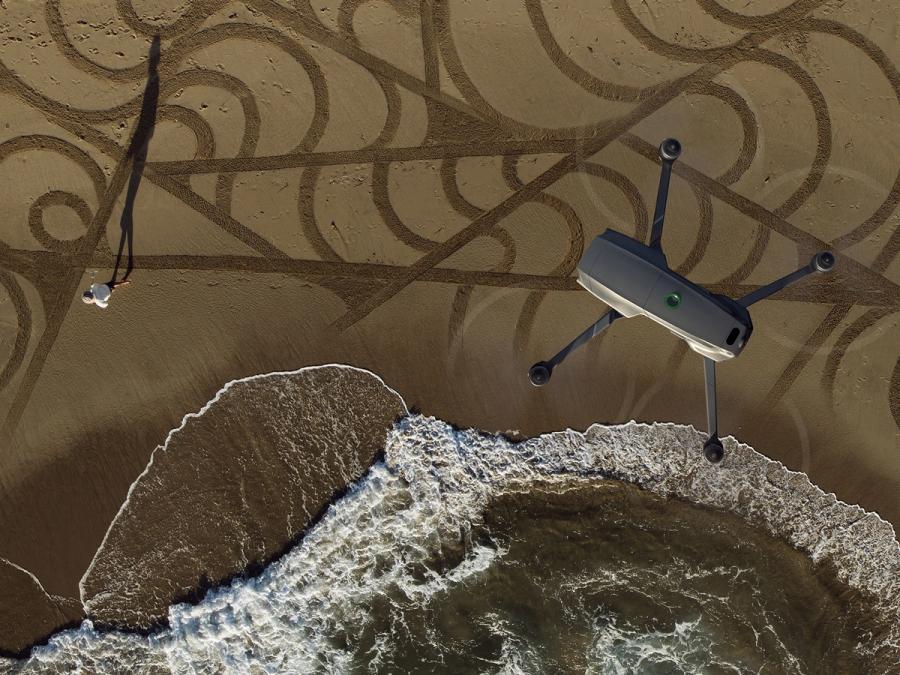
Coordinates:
304	612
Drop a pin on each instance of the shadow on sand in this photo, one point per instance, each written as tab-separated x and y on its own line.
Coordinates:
137	152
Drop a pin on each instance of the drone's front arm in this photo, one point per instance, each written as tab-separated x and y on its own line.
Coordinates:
669	150
821	262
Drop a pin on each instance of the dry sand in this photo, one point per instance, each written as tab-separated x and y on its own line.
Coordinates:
407	188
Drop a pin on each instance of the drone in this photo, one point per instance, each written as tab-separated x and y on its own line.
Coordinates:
635	279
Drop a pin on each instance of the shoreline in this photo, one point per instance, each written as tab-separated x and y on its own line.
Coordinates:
662	476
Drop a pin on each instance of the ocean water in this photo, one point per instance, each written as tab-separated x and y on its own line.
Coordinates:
591	553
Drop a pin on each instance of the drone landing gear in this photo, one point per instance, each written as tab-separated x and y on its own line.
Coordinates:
712	449
540	372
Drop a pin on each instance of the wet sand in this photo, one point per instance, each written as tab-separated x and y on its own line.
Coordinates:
28	614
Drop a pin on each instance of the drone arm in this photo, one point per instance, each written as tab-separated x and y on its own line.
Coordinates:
540	372
669	150
712	449
709	373
591	331
821	262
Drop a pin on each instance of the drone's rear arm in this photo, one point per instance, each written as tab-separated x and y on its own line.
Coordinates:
540	372
713	447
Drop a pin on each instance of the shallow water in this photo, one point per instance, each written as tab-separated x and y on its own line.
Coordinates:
610	579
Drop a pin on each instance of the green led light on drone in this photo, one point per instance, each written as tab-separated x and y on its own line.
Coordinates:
673	300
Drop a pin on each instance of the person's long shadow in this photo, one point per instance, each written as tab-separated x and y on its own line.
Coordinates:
137	150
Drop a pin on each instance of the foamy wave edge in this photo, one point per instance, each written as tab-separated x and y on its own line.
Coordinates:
666	458
663	458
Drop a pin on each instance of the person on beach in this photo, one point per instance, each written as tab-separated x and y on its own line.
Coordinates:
99	294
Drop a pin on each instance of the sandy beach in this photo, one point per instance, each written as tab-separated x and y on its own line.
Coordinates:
407	188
